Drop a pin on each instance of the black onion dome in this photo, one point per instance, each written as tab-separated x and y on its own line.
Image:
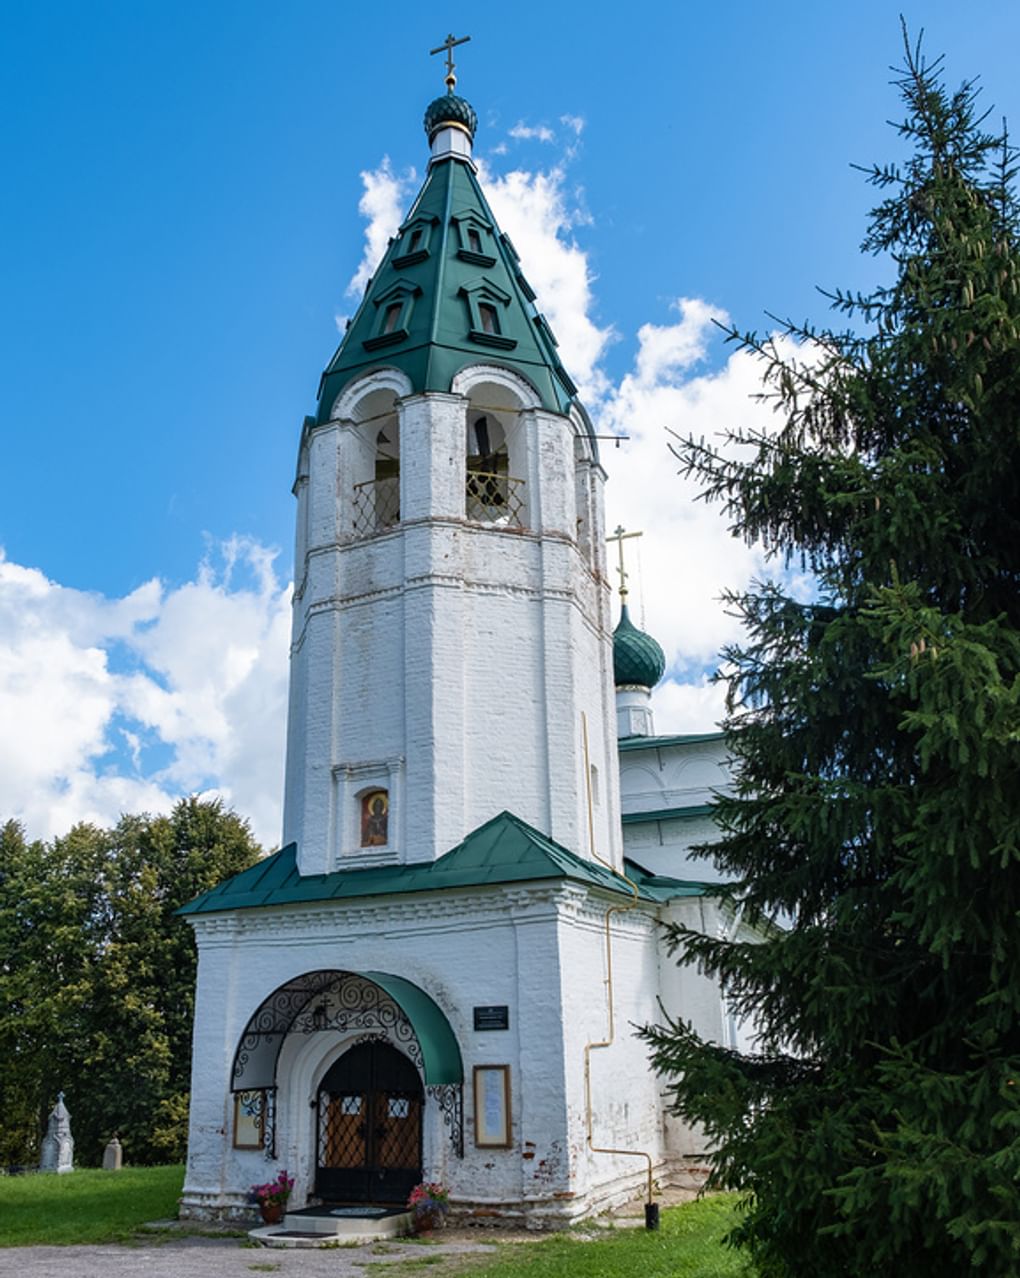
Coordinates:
449	109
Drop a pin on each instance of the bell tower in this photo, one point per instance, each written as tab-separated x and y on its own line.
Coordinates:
451	632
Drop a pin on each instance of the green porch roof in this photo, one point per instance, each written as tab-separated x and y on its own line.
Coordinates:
654	743
660	887
440	1053
421	310
668	814
503	850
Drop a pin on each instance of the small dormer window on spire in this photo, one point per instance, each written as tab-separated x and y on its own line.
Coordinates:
474	238
487	303
489	317
393	314
413	241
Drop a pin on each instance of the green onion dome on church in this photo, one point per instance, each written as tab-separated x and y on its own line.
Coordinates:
450	109
637	658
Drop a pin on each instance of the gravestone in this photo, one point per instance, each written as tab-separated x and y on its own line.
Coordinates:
112	1156
58	1143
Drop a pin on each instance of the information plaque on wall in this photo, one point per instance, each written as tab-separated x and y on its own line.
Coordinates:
492	1018
492	1106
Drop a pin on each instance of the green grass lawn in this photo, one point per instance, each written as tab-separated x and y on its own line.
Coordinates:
86	1206
687	1246
104	1207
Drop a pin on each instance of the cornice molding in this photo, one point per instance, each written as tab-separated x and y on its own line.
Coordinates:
419	912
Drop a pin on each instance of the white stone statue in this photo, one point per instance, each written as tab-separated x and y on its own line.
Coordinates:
58	1143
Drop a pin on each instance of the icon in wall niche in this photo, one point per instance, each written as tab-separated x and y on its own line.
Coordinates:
375	819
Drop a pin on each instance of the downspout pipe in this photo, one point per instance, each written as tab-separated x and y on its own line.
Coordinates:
651	1207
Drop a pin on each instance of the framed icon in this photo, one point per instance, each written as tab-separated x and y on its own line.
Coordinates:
249	1119
492	1106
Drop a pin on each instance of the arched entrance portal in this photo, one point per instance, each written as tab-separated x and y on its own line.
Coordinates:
369	1127
368	1050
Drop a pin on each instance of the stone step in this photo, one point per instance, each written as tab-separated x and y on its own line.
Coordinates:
328	1226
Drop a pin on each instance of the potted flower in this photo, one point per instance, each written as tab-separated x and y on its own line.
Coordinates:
272	1197
430	1202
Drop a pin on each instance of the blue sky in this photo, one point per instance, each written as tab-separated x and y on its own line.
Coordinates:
179	227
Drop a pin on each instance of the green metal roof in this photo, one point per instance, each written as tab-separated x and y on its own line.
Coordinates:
440	1053
660	887
667	814
655	743
637	657
448	257
503	850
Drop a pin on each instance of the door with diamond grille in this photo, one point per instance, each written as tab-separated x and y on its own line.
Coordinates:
369	1127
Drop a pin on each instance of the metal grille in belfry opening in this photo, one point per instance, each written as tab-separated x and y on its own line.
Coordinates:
376	505
494	498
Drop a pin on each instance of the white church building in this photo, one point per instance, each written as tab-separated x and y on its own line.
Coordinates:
438	974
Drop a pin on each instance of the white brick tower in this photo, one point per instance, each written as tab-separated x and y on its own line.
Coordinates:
452	628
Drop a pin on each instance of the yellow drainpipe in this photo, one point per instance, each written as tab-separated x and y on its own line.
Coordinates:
610	1007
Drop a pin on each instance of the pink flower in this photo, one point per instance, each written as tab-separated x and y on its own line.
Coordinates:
274	1191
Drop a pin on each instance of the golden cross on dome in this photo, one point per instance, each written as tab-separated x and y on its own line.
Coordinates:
449	44
620	536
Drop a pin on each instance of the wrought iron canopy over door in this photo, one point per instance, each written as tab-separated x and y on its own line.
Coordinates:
369	1127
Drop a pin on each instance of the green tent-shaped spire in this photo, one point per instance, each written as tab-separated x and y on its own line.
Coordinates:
449	292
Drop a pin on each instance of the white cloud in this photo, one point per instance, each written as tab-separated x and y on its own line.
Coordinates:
88	684
666	351
573	122
686	556
382	206
533	133
535	211
688	707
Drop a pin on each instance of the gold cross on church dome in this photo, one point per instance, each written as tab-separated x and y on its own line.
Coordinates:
449	44
620	536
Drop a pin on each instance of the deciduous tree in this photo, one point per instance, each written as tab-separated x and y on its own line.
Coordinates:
97	976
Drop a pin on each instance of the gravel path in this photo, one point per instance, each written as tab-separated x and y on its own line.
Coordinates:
204	1257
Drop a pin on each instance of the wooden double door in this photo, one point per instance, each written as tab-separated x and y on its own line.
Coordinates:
369	1124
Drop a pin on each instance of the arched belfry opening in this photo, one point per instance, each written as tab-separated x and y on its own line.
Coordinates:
496	469
375	464
492	495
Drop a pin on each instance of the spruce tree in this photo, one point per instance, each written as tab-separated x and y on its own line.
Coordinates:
875	734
